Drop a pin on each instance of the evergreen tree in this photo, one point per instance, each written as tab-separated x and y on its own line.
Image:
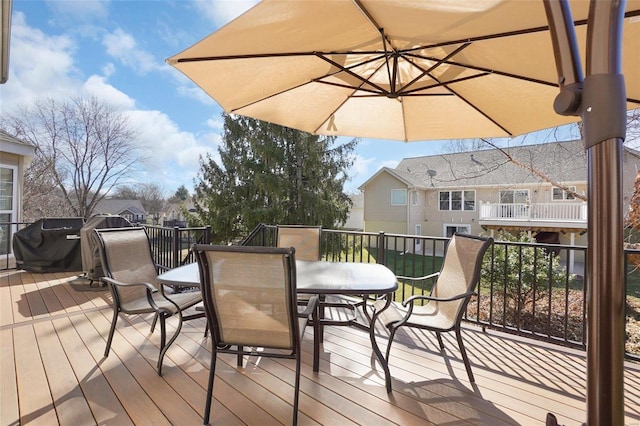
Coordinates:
182	193
272	174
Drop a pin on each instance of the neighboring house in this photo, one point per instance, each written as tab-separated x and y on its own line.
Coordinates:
15	156
355	220
173	213
132	210
481	192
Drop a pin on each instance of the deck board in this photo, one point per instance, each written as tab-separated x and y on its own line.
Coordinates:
52	339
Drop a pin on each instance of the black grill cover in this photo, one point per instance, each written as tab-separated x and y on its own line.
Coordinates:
49	245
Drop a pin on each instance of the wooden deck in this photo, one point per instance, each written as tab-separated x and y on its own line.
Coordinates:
52	338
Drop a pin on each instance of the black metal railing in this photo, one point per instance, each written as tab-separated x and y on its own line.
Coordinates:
172	246
530	289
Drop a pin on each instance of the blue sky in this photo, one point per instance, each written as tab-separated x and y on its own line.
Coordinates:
116	50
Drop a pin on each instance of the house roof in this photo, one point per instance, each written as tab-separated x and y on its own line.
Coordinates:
407	178
13	145
111	206
563	162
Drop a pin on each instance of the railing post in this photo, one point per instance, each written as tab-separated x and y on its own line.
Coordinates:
176	247
207	234
381	248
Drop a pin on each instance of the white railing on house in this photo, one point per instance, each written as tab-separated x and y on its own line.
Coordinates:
573	212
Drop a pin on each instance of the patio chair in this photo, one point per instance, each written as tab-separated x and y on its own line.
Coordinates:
447	301
131	273
249	296
305	239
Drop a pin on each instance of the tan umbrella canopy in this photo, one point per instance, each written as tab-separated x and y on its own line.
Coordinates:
403	70
448	69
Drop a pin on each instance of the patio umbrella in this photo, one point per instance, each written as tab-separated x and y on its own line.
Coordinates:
440	69
403	70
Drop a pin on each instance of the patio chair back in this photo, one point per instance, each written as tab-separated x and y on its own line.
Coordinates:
127	258
305	239
249	296
460	274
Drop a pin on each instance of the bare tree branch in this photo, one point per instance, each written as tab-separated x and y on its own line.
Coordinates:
535	171
84	147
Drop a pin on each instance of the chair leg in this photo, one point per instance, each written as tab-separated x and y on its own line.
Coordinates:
440	342
153	323
392	333
316	339
165	346
463	352
212	373
321	315
296	396
111	331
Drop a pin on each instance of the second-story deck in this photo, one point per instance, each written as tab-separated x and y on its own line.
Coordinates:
561	215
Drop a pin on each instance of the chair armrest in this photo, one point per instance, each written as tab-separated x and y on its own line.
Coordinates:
426	277
111	281
412	299
150	290
311	306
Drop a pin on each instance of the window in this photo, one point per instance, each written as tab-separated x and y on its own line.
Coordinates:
514	196
450	229
398	197
457	200
8	208
559	194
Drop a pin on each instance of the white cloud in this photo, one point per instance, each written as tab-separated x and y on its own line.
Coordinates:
222	11
98	87
188	90
82	11
108	69
123	47
40	65
172	155
44	65
216	124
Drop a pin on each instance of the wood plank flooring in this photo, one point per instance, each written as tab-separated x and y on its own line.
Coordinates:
53	372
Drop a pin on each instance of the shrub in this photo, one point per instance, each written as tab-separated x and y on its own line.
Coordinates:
522	273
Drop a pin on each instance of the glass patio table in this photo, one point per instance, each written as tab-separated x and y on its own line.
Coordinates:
326	278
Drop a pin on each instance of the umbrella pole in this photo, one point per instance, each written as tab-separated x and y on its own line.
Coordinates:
604	117
601	102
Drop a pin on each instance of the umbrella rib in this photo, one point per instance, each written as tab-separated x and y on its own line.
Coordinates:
486	70
445	84
244	56
346	86
351	73
433	67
